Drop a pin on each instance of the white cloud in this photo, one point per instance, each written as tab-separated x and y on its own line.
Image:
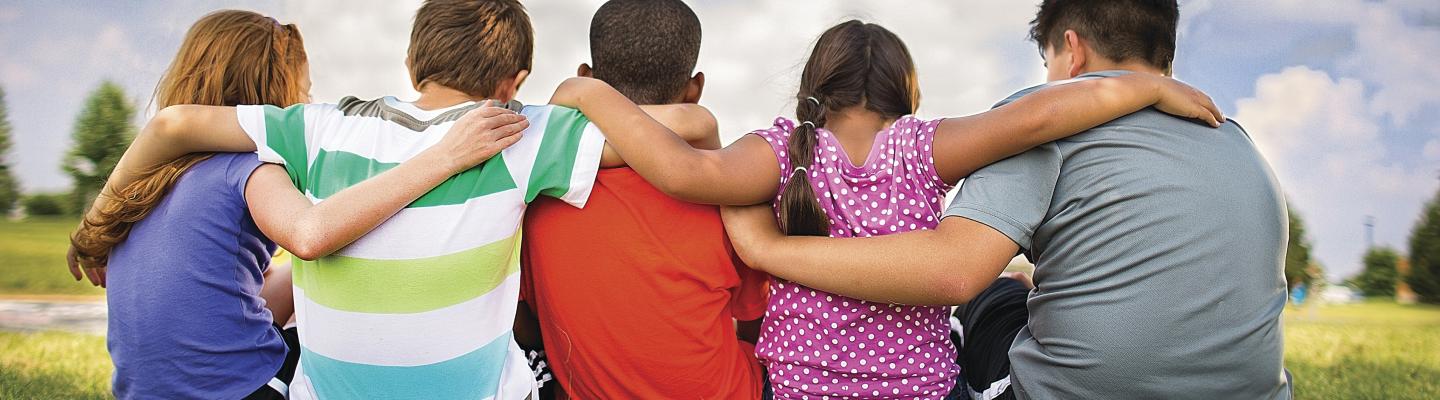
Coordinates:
1327	151
1432	150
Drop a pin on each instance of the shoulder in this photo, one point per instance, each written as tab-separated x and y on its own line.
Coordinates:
778	133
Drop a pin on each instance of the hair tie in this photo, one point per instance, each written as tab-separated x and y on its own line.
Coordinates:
799	169
812	124
813	100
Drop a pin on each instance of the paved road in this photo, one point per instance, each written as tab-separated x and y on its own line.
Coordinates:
39	315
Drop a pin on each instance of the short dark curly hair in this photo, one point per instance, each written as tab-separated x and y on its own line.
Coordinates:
1122	30
646	49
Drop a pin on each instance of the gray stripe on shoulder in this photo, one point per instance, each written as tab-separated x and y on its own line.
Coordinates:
351	106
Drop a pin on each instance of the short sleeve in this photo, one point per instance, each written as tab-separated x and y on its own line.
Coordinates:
925	146
1013	195
568	158
749	300
778	137
237	173
280	137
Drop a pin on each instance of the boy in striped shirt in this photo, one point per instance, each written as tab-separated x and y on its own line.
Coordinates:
423	305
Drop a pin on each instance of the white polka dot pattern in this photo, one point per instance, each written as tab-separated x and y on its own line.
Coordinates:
821	345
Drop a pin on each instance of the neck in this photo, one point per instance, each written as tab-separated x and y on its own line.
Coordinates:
856	128
1100	64
856	119
436	96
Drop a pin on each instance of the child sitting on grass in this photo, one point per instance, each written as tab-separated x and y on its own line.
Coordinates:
636	266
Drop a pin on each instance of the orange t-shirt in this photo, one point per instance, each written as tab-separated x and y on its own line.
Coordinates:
637	293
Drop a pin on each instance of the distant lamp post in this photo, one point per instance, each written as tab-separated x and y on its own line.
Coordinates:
1369	231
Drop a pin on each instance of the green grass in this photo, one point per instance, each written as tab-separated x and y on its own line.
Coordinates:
53	365
32	258
1364	351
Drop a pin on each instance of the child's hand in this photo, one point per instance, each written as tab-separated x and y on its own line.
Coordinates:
96	275
1181	100
480	134
751	228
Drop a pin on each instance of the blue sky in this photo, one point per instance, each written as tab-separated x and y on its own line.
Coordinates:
1340	97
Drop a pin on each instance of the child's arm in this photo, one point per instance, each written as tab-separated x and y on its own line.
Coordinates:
948	265
180	130
963	145
743	173
312	231
700	131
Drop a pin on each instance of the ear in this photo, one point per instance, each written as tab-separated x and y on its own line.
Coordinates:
693	88
1079	52
584	71
509	87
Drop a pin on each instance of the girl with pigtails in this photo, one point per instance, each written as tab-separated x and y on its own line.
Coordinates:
856	162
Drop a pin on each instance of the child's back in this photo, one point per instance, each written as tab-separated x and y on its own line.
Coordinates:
638	294
423	303
422	306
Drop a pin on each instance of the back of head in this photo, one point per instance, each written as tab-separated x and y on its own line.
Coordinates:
228	58
470	45
1121	30
646	49
853	64
234	57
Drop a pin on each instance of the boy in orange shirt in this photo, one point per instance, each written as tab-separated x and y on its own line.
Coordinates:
639	295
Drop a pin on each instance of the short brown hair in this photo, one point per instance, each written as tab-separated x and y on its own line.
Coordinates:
1121	30
470	45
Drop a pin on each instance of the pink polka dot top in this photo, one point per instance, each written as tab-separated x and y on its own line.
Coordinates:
816	344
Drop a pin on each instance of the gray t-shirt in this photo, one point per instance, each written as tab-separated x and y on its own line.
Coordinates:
1158	246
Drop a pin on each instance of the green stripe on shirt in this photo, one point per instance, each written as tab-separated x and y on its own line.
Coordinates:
555	161
334	171
407	285
285	134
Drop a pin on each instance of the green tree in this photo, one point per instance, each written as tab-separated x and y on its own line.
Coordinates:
1380	276
1424	277
45	205
9	186
102	132
1298	263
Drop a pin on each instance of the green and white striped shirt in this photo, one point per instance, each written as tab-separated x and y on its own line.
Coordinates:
422	306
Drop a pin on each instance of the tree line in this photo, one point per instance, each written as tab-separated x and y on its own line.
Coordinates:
104	129
102	132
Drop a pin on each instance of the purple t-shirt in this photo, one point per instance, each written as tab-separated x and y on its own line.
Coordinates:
819	344
186	317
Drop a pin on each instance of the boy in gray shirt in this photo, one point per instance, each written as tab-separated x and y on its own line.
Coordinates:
1158	243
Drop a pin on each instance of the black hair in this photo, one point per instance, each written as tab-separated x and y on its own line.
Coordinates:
646	49
1121	30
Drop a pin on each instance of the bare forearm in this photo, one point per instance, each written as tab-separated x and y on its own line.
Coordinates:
914	268
344	217
1064	110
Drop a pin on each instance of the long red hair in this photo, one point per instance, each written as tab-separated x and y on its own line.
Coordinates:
228	58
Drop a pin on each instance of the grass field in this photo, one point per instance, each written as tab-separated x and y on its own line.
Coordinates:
1356	351
53	365
32	259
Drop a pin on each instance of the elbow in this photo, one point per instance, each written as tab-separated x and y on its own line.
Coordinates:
951	289
308	247
165	122
305	251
